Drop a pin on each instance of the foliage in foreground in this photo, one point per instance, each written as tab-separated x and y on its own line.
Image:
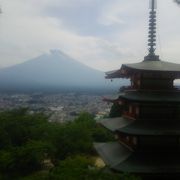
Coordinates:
81	167
78	168
28	140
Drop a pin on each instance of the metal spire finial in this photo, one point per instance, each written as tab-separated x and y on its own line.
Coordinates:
152	32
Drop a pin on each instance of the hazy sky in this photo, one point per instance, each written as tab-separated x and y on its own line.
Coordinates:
100	33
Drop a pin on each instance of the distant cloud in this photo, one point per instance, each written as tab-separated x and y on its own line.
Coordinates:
100	33
177	1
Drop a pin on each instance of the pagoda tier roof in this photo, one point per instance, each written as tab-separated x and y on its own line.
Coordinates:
121	158
152	96
152	127
126	70
115	123
113	153
142	126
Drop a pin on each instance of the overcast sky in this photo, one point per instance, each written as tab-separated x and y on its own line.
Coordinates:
100	33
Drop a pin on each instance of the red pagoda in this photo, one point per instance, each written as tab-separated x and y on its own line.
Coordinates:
148	132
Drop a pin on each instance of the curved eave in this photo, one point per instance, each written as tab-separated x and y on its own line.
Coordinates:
159	66
122	159
127	70
115	74
112	153
113	124
151	128
159	97
141	127
150	163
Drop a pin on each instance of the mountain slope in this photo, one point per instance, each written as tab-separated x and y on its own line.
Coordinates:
55	70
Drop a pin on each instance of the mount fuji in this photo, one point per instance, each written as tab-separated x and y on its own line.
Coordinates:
53	71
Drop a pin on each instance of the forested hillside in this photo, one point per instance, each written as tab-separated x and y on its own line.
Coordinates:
33	148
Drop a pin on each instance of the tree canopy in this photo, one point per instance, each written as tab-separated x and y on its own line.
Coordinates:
29	141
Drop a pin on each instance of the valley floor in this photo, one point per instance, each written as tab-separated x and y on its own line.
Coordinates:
60	107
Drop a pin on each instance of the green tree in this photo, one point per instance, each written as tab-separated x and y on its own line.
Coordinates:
71	139
97	132
77	137
24	159
41	175
82	168
29	139
23	142
116	110
18	127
